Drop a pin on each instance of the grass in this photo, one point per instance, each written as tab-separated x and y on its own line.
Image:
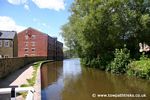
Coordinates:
32	80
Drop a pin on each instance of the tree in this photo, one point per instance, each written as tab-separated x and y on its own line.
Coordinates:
97	27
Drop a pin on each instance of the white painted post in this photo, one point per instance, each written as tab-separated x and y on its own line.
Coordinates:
14	90
13	93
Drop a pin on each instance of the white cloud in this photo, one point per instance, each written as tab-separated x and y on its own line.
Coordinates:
8	24
26	7
17	2
20	2
50	4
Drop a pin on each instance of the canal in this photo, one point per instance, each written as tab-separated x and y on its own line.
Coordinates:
67	80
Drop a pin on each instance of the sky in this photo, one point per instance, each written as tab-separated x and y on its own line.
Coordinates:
46	16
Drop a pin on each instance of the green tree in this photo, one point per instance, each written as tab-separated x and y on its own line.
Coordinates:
97	27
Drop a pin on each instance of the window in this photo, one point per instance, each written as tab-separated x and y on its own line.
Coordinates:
6	56
26	43
6	43
26	37
26	32
33	49
11	44
25	55
26	49
1	43
33	36
33	43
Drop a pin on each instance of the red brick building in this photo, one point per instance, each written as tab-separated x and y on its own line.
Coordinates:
32	42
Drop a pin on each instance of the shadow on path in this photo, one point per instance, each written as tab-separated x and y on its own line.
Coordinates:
5	82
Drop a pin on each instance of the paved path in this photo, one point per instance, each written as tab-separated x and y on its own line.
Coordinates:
18	78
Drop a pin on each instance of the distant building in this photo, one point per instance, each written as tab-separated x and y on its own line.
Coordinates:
59	50
8	44
52	47
32	42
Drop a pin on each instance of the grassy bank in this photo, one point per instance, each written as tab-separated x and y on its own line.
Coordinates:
32	80
140	68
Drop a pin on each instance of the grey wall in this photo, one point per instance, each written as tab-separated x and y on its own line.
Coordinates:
9	65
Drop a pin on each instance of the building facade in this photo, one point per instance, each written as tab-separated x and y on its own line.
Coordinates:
32	42
59	50
8	44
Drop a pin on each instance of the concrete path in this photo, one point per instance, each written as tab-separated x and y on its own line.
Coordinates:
18	78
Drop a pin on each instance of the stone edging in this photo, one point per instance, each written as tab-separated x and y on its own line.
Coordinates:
37	86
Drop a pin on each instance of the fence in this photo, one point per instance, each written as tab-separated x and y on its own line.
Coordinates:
13	90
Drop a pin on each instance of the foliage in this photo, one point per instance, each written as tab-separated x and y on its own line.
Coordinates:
121	61
143	57
97	27
140	68
32	80
70	54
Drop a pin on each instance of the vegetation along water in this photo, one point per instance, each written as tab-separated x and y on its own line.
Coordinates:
106	34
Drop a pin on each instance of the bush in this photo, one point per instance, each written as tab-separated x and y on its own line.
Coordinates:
140	68
121	60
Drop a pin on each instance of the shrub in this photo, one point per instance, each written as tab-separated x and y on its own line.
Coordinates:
120	62
140	68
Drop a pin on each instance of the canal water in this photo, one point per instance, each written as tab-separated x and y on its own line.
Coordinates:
67	80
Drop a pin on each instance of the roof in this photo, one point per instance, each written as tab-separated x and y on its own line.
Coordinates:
7	34
30	28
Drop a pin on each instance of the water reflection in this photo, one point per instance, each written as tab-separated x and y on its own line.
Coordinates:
51	82
67	80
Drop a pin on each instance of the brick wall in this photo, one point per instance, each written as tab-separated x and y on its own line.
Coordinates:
9	65
34	41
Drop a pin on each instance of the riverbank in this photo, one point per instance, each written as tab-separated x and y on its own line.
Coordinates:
21	77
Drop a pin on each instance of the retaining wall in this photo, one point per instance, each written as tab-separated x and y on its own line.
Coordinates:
9	65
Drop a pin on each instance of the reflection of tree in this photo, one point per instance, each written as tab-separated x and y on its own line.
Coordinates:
96	81
129	85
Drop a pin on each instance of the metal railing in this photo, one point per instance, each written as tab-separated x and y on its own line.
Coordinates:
13	90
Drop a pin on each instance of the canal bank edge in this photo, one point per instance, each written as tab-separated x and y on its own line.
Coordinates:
37	86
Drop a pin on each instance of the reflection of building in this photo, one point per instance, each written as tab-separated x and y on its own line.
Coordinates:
32	42
8	44
50	73
44	76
